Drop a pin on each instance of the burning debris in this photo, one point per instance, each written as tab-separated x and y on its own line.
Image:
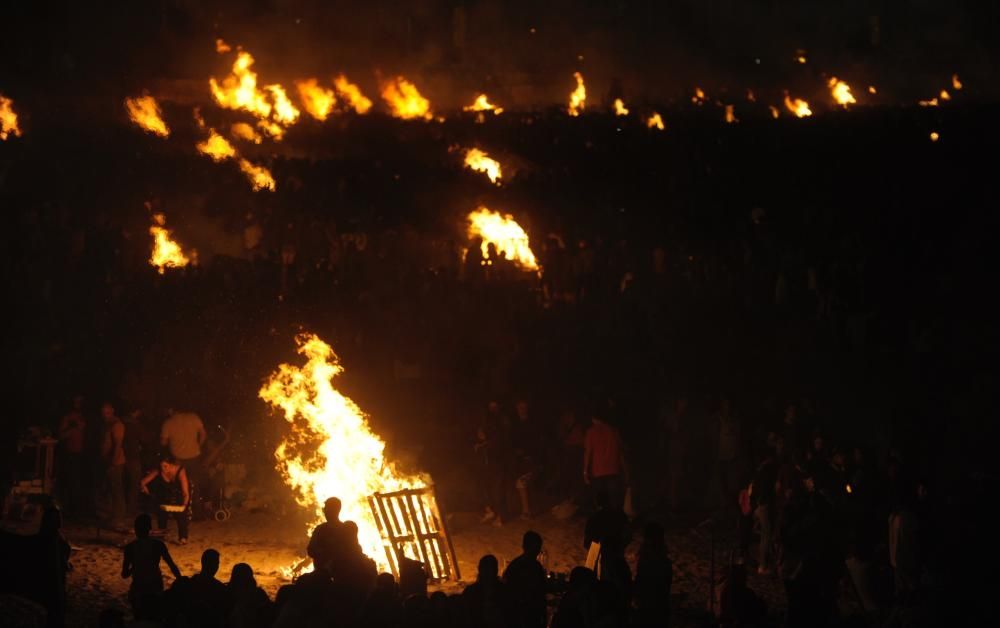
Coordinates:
506	236
219	149
352	94
8	119
699	96
243	131
578	97
239	92
775	112
405	100
482	103
166	252
317	101
655	122
797	106
330	450
479	161
956	84
260	177
620	109
145	112
216	147
841	92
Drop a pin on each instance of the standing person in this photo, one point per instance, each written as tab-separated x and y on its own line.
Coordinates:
132	445
72	438
525	580
490	450
168	485
675	442
654	577
528	444
328	537
183	433
141	562
604	462
113	455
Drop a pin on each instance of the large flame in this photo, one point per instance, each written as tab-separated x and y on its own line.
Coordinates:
841	92
620	108
260	177
503	232
318	101
239	91
578	97
330	450
216	147
8	119
145	112
352	94
481	162
482	103
405	100
798	106
655	121
166	252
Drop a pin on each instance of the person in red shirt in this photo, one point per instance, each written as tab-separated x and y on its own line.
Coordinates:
604	462
72	431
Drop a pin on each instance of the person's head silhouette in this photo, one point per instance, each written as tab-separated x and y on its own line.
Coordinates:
143	524
210	562
531	543
331	508
488	568
51	521
241	578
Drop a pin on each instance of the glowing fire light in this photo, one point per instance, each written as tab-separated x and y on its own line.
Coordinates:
775	113
798	106
801	59
935	136
317	101
849	489
956	83
620	109
145	112
655	122
731	114
330	450
243	131
352	94
239	91
8	119
222	47
944	95
933	102
216	147
482	103
260	177
405	100
578	97
503	232
166	252
872	90
481	162
284	111
841	92
699	96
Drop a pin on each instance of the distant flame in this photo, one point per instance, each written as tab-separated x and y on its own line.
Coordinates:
482	103
239	91
798	106
935	136
352	94
801	59
944	95
655	121
699	96
330	450
775	113
317	101
260	177
620	109
872	90
731	114
243	131
503	232
578	97
166	252
956	83
933	102
405	100
481	162
284	111
751	96
222	47
8	119
216	147
841	92
145	112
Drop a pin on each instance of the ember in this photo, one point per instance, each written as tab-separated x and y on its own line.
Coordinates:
655	121
482	103
145	112
731	114
620	109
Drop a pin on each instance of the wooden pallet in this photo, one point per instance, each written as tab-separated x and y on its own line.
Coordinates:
410	521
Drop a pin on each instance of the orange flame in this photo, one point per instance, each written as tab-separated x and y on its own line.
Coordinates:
8	119
216	147
934	136
655	121
503	232
145	112
166	252
798	107
260	177
239	89
221	46
841	92
944	95
318	101
481	162
578	97
243	131
933	102
956	83
405	100
775	113
330	450
482	103
699	96
352	93
872	90
731	114
620	109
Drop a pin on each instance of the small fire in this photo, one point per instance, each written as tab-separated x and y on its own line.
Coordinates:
655	122
8	119
699	96
933	102
405	100
944	95
872	90
578	97
841	92
284	111
775	113
317	101
243	131
239	91
503	232
849	489
482	103
620	109
222	47
145	112
260	177
330	450
934	136
801	59
956	84
481	162
216	147
166	252
731	114
751	96
352	94
798	106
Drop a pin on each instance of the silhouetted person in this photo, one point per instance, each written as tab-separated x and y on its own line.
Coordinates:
113	456
141	562
526	584
328	537
738	605
352	569
573	607
654	577
207	597
42	562
249	606
72	439
412	576
486	601
604	461
169	486
384	608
